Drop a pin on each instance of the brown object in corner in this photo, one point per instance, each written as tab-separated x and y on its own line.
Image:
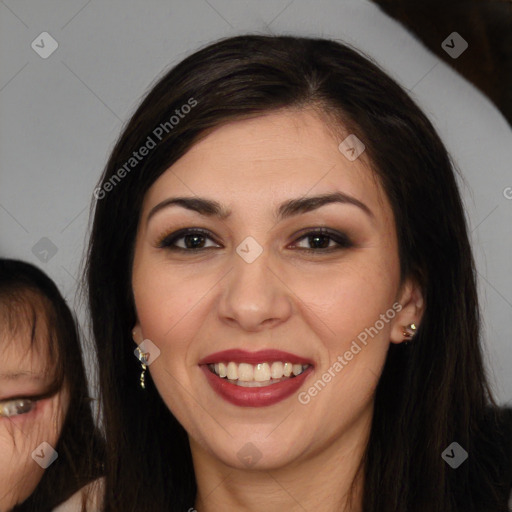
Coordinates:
486	25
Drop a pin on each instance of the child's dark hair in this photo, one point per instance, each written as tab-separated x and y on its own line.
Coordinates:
26	293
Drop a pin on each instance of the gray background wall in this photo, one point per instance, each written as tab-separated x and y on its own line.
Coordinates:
61	115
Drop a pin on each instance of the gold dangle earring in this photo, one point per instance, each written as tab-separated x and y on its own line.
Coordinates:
143	357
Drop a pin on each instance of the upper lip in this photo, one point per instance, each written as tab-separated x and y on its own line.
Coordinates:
261	356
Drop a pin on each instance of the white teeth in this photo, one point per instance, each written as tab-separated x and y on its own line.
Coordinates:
254	384
249	375
245	372
297	369
262	372
276	370
232	371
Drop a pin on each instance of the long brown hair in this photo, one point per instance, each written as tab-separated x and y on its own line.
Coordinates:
430	394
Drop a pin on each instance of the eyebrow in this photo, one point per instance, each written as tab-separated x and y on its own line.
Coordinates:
211	208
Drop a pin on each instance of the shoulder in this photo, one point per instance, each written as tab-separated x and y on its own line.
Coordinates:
92	493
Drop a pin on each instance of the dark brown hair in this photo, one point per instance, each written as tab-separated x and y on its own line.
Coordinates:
430	394
31	301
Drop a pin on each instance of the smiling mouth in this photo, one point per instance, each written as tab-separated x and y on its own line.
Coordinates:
257	375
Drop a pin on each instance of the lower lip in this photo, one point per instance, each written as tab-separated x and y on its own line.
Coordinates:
255	397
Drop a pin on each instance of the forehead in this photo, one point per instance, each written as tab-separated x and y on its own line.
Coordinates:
24	337
276	155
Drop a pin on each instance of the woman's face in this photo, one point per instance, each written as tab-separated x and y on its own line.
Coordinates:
247	283
27	421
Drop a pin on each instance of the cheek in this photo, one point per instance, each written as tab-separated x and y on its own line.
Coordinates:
164	300
353	315
167	297
24	432
18	479
349	298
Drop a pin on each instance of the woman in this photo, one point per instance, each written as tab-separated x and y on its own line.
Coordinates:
49	445
279	231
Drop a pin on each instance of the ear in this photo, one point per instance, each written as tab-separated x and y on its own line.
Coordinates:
411	300
137	334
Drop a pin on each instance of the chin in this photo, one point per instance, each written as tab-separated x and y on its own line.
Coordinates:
256	451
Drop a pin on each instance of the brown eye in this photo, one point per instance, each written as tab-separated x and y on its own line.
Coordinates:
194	239
320	240
16	407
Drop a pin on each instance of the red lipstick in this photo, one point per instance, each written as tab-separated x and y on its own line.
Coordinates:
254	396
262	356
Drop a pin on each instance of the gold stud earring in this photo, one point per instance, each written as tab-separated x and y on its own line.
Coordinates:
408	331
143	357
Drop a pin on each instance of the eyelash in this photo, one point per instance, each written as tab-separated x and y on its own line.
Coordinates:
341	239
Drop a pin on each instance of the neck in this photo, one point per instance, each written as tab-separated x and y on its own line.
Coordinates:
328	479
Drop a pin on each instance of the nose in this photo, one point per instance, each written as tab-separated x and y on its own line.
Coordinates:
253	295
